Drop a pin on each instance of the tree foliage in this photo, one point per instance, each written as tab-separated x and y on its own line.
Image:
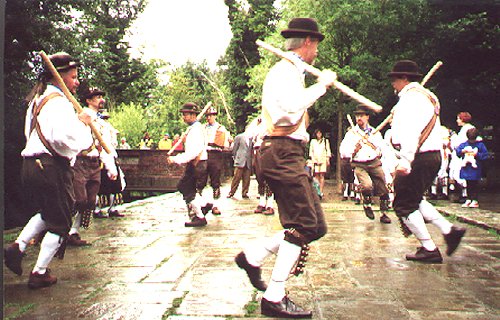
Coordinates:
250	20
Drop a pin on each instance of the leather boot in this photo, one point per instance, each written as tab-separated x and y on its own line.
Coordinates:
286	308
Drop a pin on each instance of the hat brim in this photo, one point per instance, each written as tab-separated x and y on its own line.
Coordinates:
189	111
300	33
95	93
402	73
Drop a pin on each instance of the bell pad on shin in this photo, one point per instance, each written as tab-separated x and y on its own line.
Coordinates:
86	216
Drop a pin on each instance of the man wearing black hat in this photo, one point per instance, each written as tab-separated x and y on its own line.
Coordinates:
87	170
55	134
195	155
218	138
364	148
285	101
416	134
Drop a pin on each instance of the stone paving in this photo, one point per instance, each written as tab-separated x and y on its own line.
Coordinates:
149	266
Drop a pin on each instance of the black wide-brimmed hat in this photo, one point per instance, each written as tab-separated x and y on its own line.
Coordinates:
63	61
405	68
190	107
301	28
91	92
362	109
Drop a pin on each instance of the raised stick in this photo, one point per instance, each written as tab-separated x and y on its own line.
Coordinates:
70	97
316	72
188	129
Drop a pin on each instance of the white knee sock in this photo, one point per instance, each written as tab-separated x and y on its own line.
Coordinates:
430	214
111	201
346	190
256	255
262	200
77	223
415	222
288	254
48	249
32	228
270	201
196	206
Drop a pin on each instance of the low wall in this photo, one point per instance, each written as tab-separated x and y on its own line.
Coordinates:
148	171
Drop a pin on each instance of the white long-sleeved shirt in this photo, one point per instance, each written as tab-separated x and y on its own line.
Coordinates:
60	126
108	159
411	115
366	153
286	98
196	144
211	131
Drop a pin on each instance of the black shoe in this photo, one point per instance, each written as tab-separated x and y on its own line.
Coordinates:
37	280
115	213
254	273
345	198
216	211
385	219
453	239
13	258
369	212
286	308
259	209
99	215
424	255
206	209
357	201
196	222
74	240
245	196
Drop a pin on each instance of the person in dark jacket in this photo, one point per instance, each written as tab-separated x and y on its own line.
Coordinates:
472	152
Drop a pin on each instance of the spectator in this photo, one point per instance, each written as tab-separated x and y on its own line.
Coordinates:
123	144
471	171
165	143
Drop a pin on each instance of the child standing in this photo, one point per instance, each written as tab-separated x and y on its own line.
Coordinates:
472	152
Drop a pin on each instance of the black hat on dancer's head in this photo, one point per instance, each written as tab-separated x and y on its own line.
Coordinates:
190	108
405	68
91	92
63	61
302	28
362	109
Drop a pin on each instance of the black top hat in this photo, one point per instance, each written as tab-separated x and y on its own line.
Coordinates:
362	109
301	28
91	92
405	68
63	61
190	107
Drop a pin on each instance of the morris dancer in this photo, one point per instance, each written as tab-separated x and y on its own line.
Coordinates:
87	170
364	147
218	139
55	134
285	101
195	155
416	133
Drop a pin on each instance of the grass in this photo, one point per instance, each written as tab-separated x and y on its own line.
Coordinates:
19	310
252	306
176	303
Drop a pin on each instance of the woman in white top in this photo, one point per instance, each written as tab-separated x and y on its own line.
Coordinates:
320	153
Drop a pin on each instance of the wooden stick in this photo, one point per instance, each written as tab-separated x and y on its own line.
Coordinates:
431	72
198	118
316	72
71	98
423	82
